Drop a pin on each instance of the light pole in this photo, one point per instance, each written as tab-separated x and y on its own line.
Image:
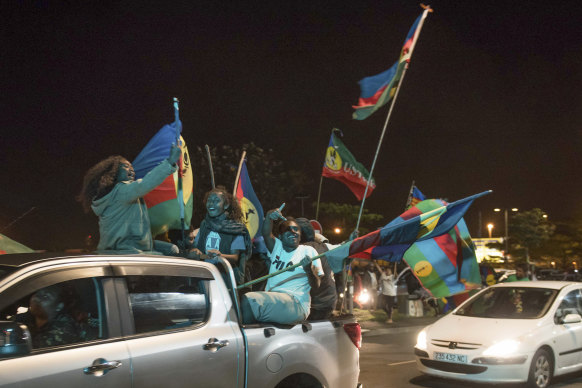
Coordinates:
514	209
490	227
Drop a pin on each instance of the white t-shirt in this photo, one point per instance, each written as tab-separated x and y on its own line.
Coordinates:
387	284
298	287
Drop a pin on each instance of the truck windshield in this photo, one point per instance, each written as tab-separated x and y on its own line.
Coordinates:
510	303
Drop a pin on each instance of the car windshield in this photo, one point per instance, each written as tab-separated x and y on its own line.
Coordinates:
509	303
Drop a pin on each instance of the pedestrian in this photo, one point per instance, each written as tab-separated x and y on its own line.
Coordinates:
520	274
286	299
372	282
387	280
111	191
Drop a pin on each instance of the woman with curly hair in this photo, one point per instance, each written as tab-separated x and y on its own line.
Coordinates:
111	191
223	233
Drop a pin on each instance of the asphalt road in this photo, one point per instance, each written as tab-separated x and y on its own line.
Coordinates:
387	361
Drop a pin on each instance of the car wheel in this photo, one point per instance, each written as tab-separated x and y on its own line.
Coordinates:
541	369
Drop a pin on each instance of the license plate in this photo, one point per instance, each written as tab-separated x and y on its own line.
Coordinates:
450	357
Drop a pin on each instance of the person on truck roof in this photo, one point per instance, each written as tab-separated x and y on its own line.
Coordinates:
223	233
111	191
286	299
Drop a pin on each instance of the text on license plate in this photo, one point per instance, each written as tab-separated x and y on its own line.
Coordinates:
450	357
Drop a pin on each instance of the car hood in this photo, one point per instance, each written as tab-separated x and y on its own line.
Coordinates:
485	331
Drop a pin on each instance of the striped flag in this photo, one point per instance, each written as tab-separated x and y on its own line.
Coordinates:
162	202
445	265
377	90
414	225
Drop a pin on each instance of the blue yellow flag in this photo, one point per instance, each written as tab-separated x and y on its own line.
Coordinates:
162	202
249	203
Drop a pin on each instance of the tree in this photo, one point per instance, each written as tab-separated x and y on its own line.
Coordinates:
565	246
272	182
345	217
528	230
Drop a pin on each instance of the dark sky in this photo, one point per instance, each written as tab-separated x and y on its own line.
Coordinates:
492	99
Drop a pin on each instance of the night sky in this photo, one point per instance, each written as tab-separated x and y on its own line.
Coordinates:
492	99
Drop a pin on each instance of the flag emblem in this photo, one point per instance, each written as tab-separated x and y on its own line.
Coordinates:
251	216
332	159
423	268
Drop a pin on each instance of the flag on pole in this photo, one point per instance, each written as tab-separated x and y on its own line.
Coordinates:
377	90
416	196
445	265
416	224
341	165
249	203
8	245
162	202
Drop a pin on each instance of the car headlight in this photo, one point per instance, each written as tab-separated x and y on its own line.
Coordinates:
421	340
503	348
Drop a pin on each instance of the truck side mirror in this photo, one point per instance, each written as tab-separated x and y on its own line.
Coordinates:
15	339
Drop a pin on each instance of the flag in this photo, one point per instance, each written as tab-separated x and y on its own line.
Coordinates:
446	264
341	165
249	203
377	90
416	224
8	245
162	202
415	197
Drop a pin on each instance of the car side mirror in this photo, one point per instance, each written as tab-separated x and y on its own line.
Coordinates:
572	318
15	339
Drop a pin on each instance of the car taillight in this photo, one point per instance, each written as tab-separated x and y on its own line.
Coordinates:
354	331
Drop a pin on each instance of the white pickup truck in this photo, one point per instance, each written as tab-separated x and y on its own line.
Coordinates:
154	321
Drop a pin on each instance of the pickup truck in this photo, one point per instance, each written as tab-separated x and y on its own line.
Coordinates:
154	321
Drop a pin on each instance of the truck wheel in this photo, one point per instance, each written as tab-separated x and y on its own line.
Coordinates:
541	369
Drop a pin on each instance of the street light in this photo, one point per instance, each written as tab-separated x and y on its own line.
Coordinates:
513	209
490	227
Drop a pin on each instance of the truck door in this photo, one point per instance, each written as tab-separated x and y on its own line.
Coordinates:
80	344
177	328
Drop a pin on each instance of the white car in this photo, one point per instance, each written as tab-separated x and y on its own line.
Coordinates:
507	333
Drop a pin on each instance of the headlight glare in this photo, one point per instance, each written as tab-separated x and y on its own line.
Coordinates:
421	340
503	348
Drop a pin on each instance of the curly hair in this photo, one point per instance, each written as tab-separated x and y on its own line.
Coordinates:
99	180
234	212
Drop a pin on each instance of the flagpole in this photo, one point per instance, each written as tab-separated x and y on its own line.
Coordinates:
409	200
180	193
426	10
238	173
210	165
321	182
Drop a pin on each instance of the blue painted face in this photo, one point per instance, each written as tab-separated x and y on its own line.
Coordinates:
215	205
125	172
291	236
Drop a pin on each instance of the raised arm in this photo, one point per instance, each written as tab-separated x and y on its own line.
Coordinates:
267	230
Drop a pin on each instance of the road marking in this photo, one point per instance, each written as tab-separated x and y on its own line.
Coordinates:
400	363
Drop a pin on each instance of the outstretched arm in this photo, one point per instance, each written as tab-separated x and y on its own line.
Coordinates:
267	230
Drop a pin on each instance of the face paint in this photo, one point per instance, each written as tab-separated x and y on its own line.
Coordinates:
215	205
291	236
125	172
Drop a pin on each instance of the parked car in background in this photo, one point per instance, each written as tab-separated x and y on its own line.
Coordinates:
507	333
154	321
